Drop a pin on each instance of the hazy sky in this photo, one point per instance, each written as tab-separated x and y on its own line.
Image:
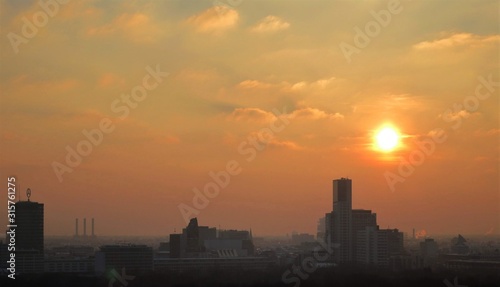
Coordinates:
228	68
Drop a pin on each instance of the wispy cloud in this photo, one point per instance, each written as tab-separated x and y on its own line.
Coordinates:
270	24
315	114
458	40
216	19
136	27
251	114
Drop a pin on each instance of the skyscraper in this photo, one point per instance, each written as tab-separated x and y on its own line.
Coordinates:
193	236
29	221
361	219
29	236
342	219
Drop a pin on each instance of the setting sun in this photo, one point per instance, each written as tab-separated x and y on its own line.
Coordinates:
387	139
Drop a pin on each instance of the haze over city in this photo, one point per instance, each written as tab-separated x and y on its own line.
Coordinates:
219	79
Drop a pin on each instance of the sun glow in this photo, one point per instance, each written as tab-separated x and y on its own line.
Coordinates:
387	139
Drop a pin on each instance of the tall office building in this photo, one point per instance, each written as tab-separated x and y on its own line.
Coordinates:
29	221
175	245
29	236
193	236
342	219
360	220
354	234
376	246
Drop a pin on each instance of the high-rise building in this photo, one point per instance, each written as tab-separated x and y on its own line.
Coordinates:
321	229
360	220
175	245
429	251
376	246
29	221
193	236
29	236
354	234
342	219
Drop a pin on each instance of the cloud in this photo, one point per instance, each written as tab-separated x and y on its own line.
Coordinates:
259	115
284	144
110	79
314	114
285	86
136	27
251	114
270	24
457	40
216	19
318	84
272	141
453	116
253	84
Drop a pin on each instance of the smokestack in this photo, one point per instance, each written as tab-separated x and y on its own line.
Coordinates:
76	227
85	227
93	227
413	233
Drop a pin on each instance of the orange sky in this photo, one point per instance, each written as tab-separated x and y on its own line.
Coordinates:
180	89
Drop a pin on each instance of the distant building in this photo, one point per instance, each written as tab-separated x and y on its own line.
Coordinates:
234	246
134	258
328	239
459	245
360	220
355	236
376	246
175	245
29	221
70	265
234	234
206	233
321	229
301	238
77	259
193	237
342	219
203	242
29	237
429	251
71	251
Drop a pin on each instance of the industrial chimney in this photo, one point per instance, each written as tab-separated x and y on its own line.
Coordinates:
93	228
84	227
